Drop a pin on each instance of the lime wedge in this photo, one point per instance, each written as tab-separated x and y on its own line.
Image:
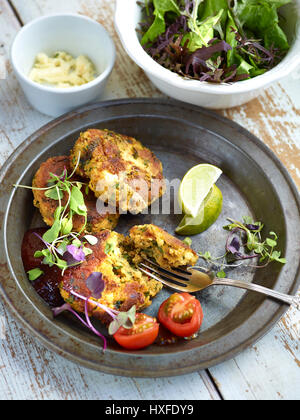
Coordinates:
208	215
196	186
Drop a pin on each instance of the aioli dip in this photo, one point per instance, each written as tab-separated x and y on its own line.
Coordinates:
62	70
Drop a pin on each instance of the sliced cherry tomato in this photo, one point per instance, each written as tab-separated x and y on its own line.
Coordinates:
181	314
143	334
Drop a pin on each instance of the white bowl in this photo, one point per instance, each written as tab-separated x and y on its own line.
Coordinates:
194	92
75	34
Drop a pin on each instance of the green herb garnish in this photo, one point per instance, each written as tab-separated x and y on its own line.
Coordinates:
64	249
188	241
245	242
35	274
265	250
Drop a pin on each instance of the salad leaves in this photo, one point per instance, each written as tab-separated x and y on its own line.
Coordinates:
261	17
201	33
214	40
161	7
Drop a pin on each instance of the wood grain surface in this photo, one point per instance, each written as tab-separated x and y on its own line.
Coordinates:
268	370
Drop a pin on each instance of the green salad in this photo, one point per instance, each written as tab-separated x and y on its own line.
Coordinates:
216	41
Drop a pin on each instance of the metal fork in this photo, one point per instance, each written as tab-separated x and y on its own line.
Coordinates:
194	280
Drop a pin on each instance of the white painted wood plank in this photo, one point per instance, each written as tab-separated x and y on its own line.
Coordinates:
263	372
274	117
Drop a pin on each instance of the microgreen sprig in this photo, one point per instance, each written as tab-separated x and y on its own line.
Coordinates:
246	236
265	250
64	248
96	286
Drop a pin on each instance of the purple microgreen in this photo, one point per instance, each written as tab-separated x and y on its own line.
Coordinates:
59	240
74	255
110	311
92	328
77	253
64	175
233	245
114	327
246	235
96	285
123	319
119	319
131	316
67	308
42	240
252	227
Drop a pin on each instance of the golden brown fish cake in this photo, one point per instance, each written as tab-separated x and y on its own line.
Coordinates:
150	241
120	169
125	286
84	147
47	206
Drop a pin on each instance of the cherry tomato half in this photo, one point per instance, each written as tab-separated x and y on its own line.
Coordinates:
143	334
181	314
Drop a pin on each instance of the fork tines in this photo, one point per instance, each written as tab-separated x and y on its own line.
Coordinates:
170	278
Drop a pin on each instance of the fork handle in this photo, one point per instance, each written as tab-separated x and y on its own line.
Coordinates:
290	300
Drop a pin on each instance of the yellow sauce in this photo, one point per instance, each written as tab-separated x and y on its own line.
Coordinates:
62	70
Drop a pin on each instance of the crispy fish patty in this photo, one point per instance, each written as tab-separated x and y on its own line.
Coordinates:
125	286
150	241
47	206
121	170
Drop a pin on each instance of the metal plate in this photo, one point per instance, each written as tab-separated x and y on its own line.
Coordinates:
254	183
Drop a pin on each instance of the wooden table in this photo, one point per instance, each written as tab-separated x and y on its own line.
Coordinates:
269	370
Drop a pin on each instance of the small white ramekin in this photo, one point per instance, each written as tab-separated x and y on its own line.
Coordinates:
198	93
75	34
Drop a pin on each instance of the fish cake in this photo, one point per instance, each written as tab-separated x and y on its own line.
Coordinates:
150	241
125	286
121	170
95	221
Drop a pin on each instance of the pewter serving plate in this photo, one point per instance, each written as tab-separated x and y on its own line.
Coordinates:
254	183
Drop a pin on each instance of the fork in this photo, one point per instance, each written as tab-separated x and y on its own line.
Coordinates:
194	280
